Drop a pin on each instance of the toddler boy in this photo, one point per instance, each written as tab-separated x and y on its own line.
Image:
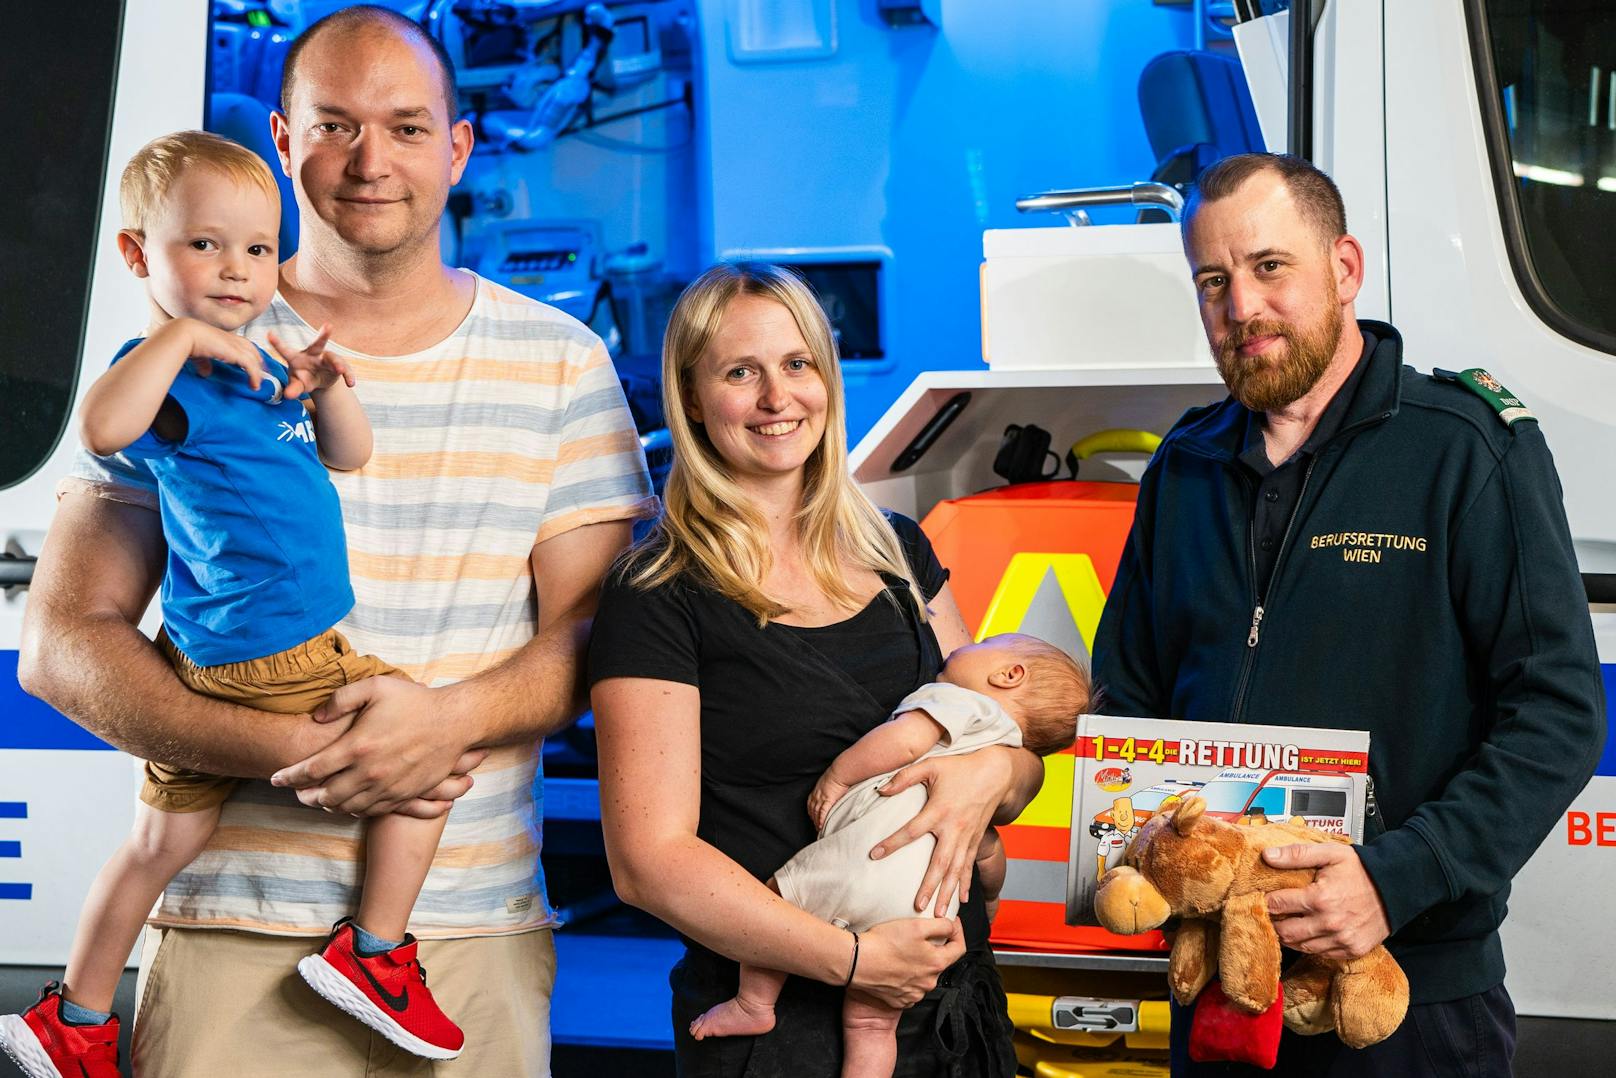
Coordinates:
256	578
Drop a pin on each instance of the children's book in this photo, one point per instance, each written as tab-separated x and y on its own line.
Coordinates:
1127	770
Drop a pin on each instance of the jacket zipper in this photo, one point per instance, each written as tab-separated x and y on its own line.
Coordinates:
1258	611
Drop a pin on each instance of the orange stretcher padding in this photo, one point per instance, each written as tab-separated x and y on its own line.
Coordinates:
1041	926
976	536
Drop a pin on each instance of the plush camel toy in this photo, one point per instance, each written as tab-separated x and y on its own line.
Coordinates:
1211	874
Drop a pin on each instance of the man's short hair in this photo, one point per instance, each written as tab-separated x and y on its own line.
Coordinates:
159	164
1315	193
369	16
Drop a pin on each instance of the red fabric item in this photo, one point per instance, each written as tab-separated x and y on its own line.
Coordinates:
387	992
39	1039
1221	1032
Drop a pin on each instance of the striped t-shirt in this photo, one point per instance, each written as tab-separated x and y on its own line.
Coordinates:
511	430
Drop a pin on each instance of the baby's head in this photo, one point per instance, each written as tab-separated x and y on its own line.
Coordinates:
1043	688
201	220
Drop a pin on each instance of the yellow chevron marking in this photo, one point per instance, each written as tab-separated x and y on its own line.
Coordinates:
1079	585
1053	805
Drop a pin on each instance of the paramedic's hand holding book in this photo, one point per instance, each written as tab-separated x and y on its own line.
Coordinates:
1340	914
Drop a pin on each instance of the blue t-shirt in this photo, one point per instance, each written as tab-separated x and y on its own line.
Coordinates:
257	558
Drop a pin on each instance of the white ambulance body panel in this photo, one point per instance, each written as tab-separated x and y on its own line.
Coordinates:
63	810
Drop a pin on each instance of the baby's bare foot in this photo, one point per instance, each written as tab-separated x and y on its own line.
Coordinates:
734	1018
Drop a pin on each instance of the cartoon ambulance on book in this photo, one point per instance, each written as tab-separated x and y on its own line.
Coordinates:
1256	797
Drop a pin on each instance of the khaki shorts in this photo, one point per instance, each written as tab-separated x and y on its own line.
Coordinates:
215	1003
290	682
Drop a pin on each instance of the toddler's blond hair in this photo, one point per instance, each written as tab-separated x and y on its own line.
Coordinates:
156	166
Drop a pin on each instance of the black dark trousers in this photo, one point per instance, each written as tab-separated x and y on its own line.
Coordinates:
1473	1037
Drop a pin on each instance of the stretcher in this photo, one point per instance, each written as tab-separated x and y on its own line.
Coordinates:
1040	558
1090	1037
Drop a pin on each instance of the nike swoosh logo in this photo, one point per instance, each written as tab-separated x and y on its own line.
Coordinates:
399	1002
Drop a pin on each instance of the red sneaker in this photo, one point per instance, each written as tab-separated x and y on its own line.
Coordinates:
46	1045
387	992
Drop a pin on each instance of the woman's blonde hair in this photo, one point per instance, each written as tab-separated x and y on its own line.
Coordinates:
709	526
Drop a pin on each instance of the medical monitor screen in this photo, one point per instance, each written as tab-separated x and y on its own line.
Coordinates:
631	36
851	295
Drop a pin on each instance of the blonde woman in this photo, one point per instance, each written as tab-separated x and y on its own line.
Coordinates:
772	618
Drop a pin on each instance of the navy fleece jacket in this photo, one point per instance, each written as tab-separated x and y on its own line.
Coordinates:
1428	593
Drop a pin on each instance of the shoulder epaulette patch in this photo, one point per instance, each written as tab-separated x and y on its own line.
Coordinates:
1508	406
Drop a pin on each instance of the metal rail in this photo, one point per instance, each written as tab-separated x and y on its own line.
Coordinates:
1140	962
1304	16
1161	195
16	570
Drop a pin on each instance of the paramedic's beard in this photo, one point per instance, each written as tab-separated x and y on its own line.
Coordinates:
1266	382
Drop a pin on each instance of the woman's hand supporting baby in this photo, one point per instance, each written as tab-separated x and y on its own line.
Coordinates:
900	961
965	795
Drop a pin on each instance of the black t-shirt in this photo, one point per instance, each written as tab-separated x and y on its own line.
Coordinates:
778	704
877	646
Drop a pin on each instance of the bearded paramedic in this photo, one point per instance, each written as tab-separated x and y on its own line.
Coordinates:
1346	542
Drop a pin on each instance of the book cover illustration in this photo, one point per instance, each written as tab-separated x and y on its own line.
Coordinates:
1130	769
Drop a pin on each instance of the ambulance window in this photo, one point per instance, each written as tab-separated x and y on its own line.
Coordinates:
1546	70
50	202
1150	800
1270	801
1227	795
1319	803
